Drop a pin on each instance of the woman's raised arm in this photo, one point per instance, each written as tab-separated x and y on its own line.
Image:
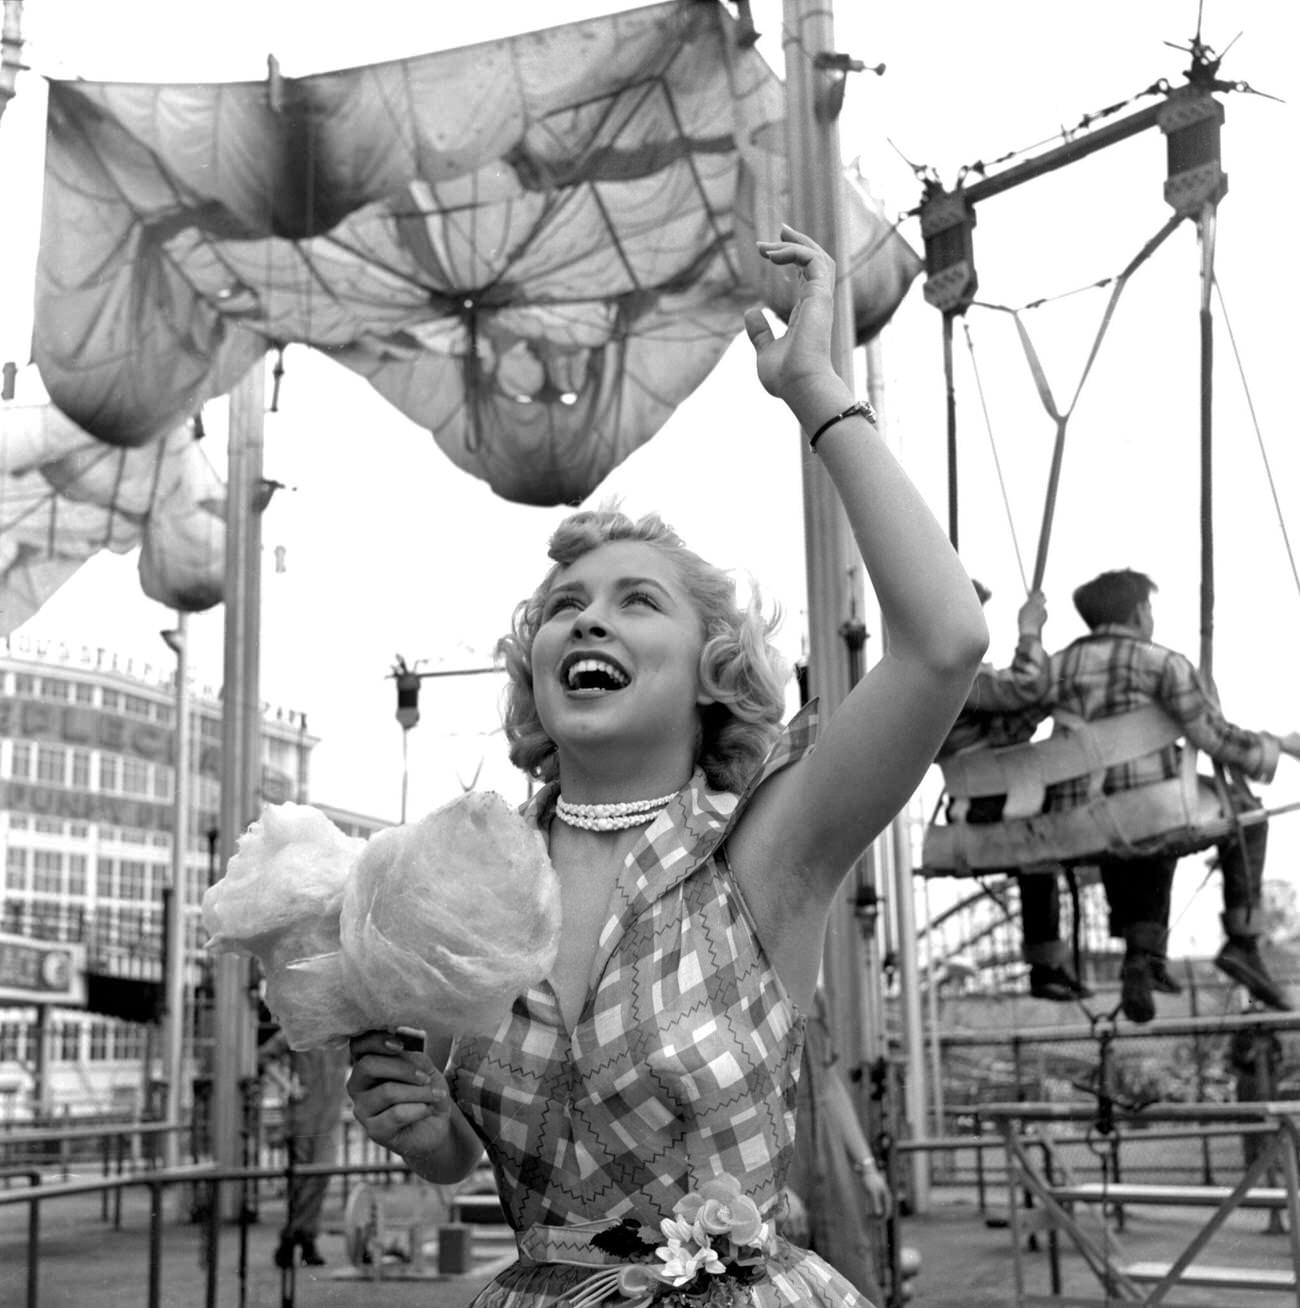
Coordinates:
872	753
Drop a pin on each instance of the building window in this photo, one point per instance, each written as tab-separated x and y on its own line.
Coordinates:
51	764
20	762
55	688
16	877
135	776
47	826
163	714
47	921
111	699
131	927
18	822
76	874
67	1045
11	1042
79	830
24	683
136	706
162	781
74	922
132	880
208	795
11	916
105	879
108	773
103	929
80	769
47	872
98	1041
129	1042
83	692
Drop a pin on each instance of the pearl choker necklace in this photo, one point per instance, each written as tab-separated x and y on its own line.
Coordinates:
611	817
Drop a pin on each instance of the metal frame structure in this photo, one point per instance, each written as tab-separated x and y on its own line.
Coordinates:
1125	1282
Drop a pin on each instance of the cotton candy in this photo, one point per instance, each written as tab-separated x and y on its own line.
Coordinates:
447	920
288	873
437	924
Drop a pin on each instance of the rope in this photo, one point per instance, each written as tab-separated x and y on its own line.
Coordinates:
993	446
1259	435
1062	418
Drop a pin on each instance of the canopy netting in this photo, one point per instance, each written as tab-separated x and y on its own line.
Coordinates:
535	248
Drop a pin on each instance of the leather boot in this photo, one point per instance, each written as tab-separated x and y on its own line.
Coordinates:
1240	959
311	1256
1144	943
1161	979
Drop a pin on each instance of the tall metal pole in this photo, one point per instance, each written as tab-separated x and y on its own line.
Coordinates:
241	753
833	563
873	870
1206	230
909	1002
177	937
950	411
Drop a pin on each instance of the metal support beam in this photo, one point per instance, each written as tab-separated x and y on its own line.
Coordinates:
241	754
177	937
1070	152
833	563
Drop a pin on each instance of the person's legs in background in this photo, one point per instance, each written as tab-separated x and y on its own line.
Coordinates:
305	1200
1137	893
1050	974
1241	865
1161	979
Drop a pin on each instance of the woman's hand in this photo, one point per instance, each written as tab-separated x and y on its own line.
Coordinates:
789	365
879	1200
398	1096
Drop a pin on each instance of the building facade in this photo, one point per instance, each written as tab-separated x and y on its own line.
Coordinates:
87	815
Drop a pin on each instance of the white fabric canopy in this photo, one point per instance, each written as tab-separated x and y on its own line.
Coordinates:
535	248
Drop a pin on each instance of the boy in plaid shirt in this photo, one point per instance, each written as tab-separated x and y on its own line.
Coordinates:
1115	668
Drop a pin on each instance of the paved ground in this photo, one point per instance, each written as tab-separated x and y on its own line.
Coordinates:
86	1262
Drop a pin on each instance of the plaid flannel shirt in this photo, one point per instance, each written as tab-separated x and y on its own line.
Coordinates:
1004	705
1113	670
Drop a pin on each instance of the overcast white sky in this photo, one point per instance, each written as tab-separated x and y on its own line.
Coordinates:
389	549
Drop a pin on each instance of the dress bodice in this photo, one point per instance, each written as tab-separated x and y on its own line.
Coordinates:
685	1059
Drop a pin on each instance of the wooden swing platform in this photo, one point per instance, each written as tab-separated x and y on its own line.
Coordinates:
1178	816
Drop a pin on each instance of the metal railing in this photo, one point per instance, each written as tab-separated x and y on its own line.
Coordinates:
40	1192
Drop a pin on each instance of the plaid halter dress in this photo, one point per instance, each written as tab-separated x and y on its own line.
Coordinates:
683	1064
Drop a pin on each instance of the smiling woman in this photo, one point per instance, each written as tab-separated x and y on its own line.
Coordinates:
698	846
627	600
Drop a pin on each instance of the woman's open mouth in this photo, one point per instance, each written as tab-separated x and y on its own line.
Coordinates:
593	675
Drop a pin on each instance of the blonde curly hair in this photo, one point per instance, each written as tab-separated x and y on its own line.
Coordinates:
739	667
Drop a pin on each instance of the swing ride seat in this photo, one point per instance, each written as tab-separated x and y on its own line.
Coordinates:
1177	816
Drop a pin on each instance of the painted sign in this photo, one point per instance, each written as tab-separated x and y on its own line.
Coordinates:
42	972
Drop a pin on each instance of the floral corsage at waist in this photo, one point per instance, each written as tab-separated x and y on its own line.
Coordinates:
706	1255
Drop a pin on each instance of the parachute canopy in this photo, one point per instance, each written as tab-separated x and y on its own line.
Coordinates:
64	496
535	248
